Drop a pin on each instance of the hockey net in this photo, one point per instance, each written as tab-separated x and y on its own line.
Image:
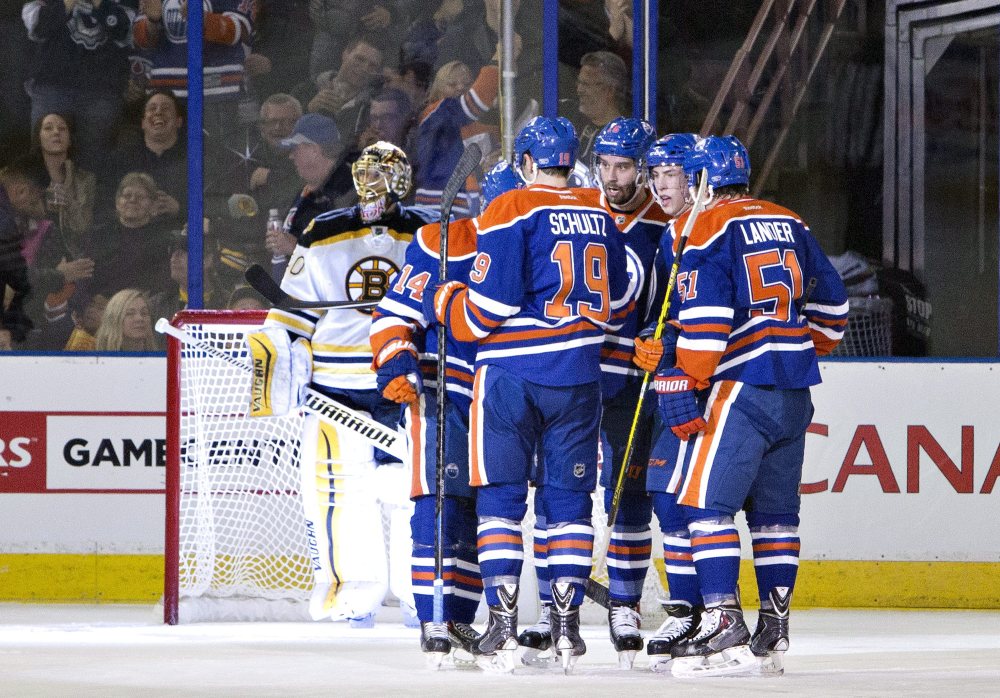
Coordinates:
235	544
869	328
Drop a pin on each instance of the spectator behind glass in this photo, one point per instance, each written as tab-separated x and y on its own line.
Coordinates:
336	22
132	249
162	154
80	66
446	125
602	88
86	323
390	118
451	80
273	182
70	193
316	150
344	96
215	291
245	298
127	324
413	78
161	30
21	197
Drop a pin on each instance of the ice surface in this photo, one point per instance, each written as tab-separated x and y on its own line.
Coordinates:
119	650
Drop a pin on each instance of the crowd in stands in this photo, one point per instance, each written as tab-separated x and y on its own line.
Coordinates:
93	158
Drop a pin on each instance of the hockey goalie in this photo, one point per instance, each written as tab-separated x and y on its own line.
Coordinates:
345	254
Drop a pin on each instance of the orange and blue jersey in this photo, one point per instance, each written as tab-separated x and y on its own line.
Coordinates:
549	279
446	126
399	323
739	294
642	230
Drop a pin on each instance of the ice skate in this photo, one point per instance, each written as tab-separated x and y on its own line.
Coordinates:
537	640
623	624
462	636
565	621
495	648
434	643
681	622
770	638
720	647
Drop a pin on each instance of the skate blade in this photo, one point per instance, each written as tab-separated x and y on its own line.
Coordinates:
568	660
626	658
539	658
500	662
432	660
772	664
660	663
735	661
463	659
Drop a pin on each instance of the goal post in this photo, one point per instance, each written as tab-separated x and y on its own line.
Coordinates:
235	545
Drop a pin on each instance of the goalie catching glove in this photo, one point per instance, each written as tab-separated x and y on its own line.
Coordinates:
281	372
397	376
678	402
650	353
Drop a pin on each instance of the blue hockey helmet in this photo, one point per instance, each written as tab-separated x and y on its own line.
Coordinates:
725	159
549	142
671	149
500	179
624	137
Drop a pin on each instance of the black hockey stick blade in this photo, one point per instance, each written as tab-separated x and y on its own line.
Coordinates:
466	164
598	593
264	284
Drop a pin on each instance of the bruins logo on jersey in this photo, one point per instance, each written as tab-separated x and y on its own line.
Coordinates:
368	280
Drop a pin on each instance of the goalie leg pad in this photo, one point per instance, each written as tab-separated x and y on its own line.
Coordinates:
281	371
345	522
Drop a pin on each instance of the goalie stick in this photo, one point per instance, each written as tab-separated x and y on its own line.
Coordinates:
330	411
466	164
596	590
264	284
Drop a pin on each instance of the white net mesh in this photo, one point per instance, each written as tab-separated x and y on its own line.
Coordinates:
241	531
869	328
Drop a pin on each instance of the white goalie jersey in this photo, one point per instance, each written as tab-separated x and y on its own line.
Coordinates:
341	258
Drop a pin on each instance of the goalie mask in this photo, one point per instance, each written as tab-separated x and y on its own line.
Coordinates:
382	176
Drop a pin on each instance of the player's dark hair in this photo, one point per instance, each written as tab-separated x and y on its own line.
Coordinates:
557	171
731	190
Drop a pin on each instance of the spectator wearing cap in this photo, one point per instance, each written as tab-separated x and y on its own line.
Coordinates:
316	150
215	290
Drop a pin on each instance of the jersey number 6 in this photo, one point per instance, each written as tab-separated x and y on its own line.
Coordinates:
595	269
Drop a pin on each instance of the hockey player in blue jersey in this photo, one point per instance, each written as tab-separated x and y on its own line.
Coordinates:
738	399
619	152
668	185
404	346
549	279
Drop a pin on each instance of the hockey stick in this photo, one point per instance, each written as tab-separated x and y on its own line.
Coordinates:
262	282
466	164
328	410
595	589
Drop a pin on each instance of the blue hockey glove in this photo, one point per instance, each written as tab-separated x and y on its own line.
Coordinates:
437	300
398	379
651	353
678	403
